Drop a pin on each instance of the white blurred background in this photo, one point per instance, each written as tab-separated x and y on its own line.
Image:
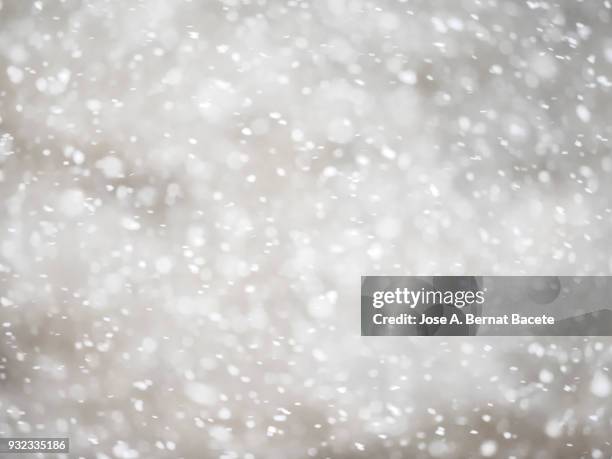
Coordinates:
191	191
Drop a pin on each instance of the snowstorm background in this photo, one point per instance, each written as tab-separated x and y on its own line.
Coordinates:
191	191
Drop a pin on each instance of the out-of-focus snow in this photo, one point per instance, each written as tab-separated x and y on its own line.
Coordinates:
192	190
